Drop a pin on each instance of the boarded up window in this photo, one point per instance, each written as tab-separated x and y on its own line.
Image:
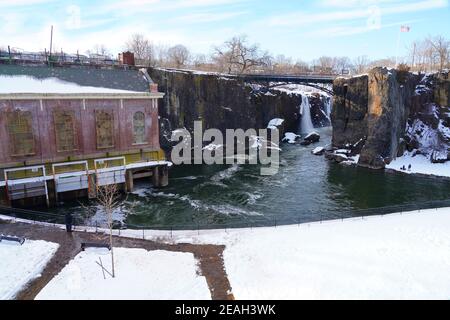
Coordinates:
66	135
20	128
105	129
139	128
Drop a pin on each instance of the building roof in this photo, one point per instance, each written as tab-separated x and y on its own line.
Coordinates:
128	80
27	84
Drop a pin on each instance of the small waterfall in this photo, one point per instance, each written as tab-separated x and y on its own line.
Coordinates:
306	125
328	106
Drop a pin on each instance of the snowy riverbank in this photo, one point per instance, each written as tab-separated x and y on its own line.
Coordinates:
420	165
393	257
398	256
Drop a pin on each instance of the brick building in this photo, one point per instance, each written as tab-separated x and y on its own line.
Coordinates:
64	130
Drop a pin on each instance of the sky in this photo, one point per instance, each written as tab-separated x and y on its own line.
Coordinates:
299	29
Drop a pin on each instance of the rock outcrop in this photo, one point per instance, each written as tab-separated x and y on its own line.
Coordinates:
388	112
320	116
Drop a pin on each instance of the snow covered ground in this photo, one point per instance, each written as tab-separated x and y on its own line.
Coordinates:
140	274
395	257
21	264
398	256
392	257
420	164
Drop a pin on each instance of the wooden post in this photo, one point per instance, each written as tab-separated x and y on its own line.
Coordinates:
155	177
129	183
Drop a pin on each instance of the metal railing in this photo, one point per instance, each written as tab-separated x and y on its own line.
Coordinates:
58	58
83	221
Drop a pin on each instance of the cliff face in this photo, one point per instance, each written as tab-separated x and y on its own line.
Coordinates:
428	127
220	102
387	112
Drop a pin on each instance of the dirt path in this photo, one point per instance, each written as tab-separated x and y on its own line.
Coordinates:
210	257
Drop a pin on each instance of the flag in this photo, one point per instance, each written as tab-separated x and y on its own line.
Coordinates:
405	29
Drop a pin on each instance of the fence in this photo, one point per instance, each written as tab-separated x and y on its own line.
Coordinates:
55	58
309	217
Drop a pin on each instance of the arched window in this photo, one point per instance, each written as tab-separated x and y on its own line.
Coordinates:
65	131
105	129
139	128
20	129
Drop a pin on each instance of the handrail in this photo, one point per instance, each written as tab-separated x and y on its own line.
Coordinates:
253	222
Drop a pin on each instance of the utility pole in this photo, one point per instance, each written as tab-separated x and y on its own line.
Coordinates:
51	44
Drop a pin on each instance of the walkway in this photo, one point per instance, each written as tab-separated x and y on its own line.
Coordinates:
210	257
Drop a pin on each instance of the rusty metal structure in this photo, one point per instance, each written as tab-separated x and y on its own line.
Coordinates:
59	145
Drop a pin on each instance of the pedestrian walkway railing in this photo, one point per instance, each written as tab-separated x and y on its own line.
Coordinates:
80	220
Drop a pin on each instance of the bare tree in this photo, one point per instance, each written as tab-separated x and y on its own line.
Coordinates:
360	64
342	65
99	50
302	67
237	55
178	55
325	64
387	62
142	48
108	199
441	48
282	65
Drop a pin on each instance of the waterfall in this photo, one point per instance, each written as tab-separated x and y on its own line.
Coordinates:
306	125
328	106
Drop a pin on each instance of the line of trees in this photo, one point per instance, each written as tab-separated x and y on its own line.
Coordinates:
239	55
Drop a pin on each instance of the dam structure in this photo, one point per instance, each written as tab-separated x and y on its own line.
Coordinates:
66	131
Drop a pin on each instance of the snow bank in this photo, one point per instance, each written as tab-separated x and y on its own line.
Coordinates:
21	264
25	84
140	275
391	257
420	164
398	256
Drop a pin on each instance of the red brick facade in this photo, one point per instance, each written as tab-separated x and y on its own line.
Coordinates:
42	115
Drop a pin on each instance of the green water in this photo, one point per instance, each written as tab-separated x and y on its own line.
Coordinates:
307	188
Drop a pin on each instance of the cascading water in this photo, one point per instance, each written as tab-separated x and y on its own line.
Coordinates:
328	106
306	125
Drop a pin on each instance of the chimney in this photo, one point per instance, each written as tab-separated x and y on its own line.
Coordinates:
154	87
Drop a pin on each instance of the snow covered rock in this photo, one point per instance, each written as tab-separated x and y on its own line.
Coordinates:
311	138
275	123
319	151
291	138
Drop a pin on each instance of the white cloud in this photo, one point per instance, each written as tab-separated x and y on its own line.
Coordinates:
17	3
349	30
202	17
305	18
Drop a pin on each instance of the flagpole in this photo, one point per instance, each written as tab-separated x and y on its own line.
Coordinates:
398	46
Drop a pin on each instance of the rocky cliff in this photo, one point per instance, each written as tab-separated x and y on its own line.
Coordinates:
386	113
223	103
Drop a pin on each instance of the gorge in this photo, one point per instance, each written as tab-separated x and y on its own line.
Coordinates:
366	124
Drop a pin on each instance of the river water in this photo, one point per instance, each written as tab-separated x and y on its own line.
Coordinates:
307	188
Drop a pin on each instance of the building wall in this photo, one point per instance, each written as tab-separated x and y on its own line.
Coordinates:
44	132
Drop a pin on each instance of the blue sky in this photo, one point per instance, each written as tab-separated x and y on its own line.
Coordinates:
300	29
